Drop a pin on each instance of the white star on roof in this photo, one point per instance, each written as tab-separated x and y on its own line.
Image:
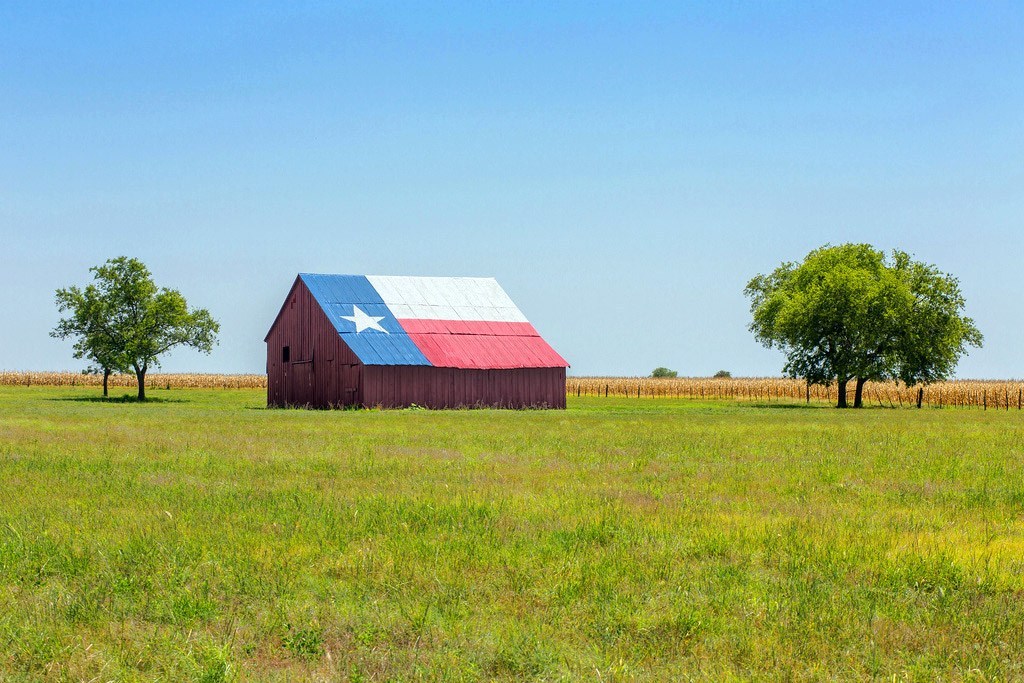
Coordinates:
363	321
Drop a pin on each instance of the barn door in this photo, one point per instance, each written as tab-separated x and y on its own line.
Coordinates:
350	375
301	389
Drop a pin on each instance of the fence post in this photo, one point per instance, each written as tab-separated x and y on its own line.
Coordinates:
920	397
984	400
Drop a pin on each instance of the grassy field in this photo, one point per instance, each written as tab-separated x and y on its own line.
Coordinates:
202	537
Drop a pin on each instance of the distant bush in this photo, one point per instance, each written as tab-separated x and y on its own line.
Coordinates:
664	373
723	374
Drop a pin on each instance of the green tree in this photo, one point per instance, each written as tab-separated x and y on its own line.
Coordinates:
663	373
846	313
123	321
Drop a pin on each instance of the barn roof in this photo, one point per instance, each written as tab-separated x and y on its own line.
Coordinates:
453	322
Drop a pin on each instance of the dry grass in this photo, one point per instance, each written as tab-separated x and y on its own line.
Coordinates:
154	380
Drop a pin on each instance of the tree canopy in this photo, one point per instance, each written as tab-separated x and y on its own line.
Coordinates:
849	313
123	322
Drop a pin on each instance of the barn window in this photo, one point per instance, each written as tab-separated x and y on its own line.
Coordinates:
285	354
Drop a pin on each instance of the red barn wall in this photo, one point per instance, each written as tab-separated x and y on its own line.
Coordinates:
393	386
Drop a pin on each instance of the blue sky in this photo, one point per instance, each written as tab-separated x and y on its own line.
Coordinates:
622	168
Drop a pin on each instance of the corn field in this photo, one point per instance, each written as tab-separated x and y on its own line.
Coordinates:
986	394
153	380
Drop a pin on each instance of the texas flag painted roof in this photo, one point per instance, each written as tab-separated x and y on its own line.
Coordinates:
449	322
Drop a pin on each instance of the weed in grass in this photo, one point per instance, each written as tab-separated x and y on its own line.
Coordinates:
305	642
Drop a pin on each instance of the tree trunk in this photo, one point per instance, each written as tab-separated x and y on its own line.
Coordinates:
140	375
841	401
858	395
106	376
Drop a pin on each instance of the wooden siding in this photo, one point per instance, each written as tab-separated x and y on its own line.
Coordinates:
322	371
394	386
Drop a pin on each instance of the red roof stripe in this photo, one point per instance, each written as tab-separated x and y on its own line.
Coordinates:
486	351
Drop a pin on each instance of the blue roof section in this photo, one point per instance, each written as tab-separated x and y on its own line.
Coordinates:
339	296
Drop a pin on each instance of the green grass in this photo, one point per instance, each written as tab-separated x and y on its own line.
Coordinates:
205	538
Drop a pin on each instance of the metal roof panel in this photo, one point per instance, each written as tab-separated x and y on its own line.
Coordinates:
451	322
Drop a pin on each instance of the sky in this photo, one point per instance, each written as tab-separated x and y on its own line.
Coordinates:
622	169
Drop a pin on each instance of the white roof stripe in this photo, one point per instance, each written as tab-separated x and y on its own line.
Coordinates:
471	290
446	298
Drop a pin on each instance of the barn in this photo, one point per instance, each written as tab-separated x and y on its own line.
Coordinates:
395	341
